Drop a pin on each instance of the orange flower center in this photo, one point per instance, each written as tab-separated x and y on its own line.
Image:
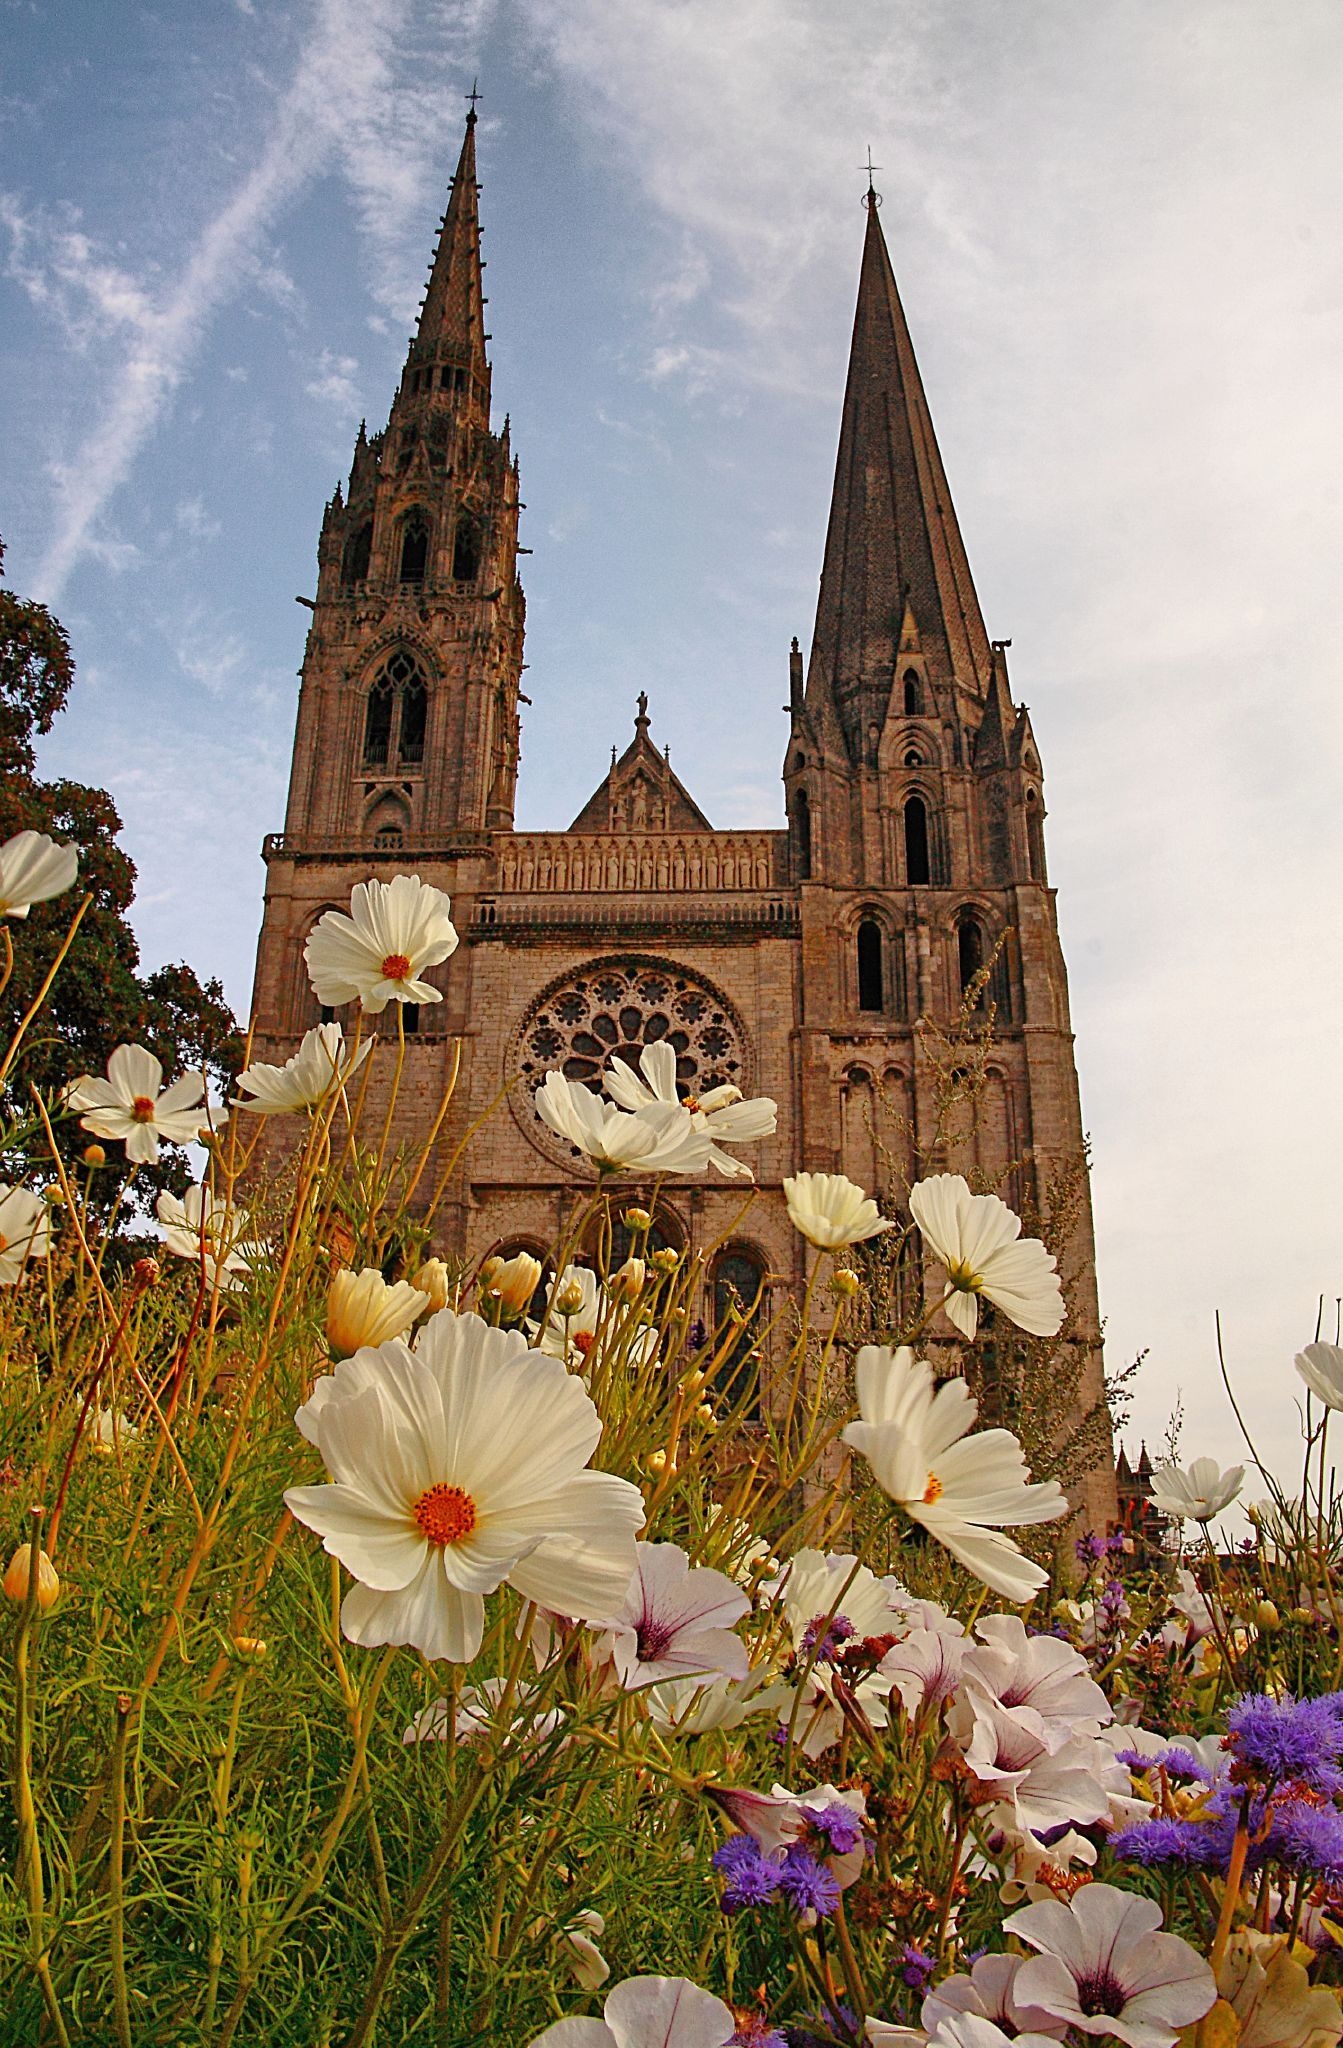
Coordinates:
933	1491
395	967
142	1109
4	1242
692	1104
445	1514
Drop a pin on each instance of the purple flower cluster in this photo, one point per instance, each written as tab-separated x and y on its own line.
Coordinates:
840	1826
916	1968
1094	1549
1284	1759
797	1877
824	1646
756	2033
1179	1764
1287	1741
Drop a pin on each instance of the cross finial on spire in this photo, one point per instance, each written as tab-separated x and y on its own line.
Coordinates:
473	96
872	197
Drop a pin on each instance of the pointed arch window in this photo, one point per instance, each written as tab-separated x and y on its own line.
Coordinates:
739	1287
378	723
871	987
918	866
466	550
970	956
358	550
414	713
414	549
802	836
1035	837
913	694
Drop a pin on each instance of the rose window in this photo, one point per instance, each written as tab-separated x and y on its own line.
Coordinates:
612	1013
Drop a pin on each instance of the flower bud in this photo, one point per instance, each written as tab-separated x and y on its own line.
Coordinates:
361	1308
515	1281
569	1300
656	1461
693	1381
94	1155
145	1272
434	1280
844	1283
637	1219
666	1260
1267	1618
16	1578
706	1415
53	1195
251	1649
630	1279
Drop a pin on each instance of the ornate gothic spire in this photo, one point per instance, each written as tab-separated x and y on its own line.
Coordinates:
893	550
452	318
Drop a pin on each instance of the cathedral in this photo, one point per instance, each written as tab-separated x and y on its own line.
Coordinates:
793	963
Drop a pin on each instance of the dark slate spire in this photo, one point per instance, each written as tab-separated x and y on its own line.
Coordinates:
452	319
893	550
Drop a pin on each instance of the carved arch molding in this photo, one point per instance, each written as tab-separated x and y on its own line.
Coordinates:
610	1009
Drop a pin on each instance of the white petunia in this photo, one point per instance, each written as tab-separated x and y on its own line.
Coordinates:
956	2030
925	1666
694	1706
585	1959
1198	1494
830	1211
378	954
1104	1969
721	1112
989	1991
34	868
455	1468
648	2012
132	1105
1037	1672
660	1139
827	1599
201	1227
25	1232
979	1241
963	1489
307	1078
675	1622
1321	1367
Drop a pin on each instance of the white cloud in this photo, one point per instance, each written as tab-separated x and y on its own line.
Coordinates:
334	383
192	518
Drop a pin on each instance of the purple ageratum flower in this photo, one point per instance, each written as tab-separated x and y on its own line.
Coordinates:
916	1968
1185	1844
823	1648
757	2033
806	1884
1305	1839
752	1879
1287	1741
1176	1762
840	1825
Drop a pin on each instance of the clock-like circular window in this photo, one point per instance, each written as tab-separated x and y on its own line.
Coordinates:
611	1011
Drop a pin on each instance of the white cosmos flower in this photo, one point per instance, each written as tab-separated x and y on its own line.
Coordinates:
979	1241
721	1112
32	869
378	953
675	1622
305	1079
830	1211
1321	1367
964	1489
1198	1494
477	1713
660	1139
648	2012
25	1232
580	1307
132	1105
201	1227
1104	1969
363	1309
455	1468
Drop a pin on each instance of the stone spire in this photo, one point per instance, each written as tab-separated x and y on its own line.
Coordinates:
452	319
893	551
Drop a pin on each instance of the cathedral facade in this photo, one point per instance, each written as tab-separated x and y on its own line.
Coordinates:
793	963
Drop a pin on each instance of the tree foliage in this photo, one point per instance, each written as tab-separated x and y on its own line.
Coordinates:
100	998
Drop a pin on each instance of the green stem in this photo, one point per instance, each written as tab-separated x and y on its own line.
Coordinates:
116	1878
25	1809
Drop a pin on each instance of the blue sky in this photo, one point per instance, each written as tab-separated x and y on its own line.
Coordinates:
1116	234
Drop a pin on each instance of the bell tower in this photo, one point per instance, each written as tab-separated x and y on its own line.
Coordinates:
407	720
